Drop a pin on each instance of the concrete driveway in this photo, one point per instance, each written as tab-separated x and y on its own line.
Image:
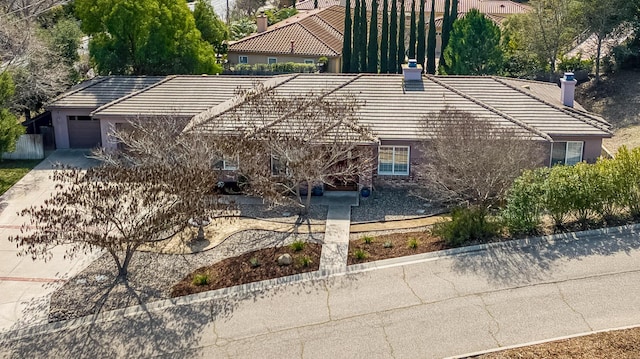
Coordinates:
433	308
26	285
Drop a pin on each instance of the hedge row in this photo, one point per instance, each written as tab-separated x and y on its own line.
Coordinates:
282	67
608	188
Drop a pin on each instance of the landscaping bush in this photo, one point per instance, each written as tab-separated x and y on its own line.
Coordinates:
558	192
523	211
472	223
201	279
297	246
626	175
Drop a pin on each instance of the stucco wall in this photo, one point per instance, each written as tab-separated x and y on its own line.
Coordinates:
260	58
591	150
59	120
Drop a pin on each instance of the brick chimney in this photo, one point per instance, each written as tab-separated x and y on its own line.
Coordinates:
412	71
261	21
568	89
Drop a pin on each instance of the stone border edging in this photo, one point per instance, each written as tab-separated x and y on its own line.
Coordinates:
403	219
302	277
544	341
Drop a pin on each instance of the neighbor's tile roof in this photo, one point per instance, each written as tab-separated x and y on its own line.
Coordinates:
102	90
181	95
395	109
314	33
505	7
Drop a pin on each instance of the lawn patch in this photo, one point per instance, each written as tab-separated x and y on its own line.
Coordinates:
11	171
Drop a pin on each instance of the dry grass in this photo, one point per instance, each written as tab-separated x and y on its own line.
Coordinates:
620	344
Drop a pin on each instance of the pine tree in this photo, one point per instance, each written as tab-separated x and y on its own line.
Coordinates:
363	36
445	30
401	31
355	42
412	31
372	51
431	42
346	42
393	39
421	35
384	41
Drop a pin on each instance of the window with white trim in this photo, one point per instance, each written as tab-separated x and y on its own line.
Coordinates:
227	164
243	59
393	160
566	153
272	60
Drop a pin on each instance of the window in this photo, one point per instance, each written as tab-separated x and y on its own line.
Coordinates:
243	59
227	164
310	62
278	167
566	153
272	60
81	118
393	160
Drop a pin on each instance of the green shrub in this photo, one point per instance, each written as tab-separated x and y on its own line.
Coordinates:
305	261
388	244
472	223
297	246
413	243
255	262
523	211
367	239
201	279
559	192
626	175
360	254
574	64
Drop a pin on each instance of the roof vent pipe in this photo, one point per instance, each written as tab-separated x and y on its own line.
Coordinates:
568	89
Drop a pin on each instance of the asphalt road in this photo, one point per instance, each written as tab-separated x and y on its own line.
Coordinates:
431	309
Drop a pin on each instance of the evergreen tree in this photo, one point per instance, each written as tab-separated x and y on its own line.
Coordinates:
445	30
421	35
355	41
412	31
363	36
315	4
453	15
401	31
372	51
393	39
346	42
384	41
431	42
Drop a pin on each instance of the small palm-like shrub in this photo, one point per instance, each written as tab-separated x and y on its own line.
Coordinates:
360	254
297	246
201	279
367	239
305	261
413	243
255	262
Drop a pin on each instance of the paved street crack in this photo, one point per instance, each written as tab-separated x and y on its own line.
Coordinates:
326	287
450	282
486	309
564	299
404	278
386	338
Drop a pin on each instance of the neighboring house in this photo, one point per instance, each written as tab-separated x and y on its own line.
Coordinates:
392	106
314	33
302	38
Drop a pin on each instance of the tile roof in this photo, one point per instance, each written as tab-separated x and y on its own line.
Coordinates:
102	90
314	33
181	95
395	109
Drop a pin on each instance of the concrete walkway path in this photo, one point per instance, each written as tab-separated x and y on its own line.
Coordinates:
335	248
507	294
26	285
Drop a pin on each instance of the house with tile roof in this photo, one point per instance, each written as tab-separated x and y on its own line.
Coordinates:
392	106
318	32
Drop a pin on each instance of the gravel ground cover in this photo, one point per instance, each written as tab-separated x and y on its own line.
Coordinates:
284	214
389	203
152	275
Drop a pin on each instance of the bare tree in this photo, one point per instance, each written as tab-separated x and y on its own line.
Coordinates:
470	160
283	144
136	196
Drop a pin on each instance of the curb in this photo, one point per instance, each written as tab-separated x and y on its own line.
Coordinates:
544	341
304	277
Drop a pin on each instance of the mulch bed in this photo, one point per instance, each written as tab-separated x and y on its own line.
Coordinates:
616	344
399	246
239	270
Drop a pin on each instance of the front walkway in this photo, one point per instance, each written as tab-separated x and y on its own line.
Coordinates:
335	248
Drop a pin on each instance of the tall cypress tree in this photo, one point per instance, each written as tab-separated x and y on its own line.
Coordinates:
363	36
372	51
384	41
393	39
355	44
412	31
401	46
346	42
431	42
453	15
421	35
445	30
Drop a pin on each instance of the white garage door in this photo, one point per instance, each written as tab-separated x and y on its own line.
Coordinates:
84	132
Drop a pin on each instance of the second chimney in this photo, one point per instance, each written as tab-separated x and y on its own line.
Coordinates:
568	89
412	71
261	21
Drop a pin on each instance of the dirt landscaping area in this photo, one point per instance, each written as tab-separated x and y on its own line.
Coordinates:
373	247
620	344
250	267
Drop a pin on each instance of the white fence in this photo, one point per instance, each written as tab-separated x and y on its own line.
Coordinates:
28	147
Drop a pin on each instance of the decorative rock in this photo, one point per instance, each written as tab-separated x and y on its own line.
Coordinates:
81	281
421	211
285	259
101	278
286	214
